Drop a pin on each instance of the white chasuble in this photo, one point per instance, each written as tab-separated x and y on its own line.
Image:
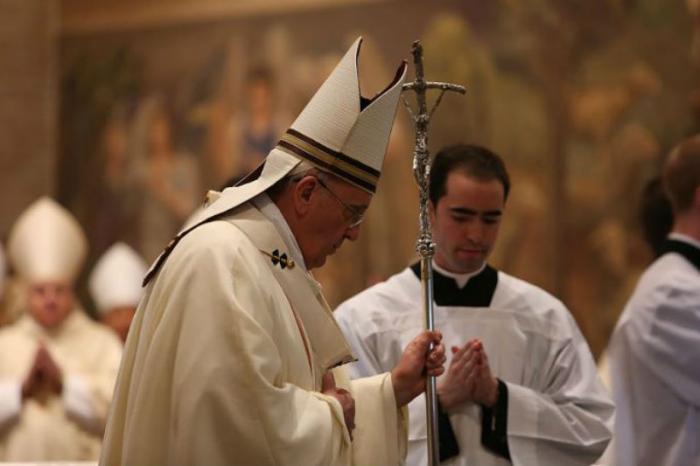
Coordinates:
224	361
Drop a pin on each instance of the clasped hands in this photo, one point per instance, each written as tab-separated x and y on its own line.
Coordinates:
468	378
43	375
407	377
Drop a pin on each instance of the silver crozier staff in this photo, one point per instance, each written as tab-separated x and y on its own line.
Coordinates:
425	245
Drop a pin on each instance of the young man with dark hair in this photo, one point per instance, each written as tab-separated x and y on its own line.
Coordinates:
521	386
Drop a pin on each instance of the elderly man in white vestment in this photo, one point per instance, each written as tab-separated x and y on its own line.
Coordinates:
521	387
655	348
57	366
234	356
115	286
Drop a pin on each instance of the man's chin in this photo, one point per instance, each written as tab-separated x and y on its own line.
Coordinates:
49	324
317	263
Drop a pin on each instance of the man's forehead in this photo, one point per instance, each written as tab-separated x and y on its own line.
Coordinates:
471	195
50	284
463	173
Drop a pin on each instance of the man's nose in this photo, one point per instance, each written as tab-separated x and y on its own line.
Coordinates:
352	233
474	231
51	296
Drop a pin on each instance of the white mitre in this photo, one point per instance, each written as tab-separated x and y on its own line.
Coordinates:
47	244
116	279
339	131
342	132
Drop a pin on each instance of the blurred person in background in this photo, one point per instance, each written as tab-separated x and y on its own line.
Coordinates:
656	220
654	353
57	366
115	287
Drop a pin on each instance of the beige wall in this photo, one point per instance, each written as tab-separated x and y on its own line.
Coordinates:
88	16
28	102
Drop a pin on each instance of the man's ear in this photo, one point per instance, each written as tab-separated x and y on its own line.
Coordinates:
303	194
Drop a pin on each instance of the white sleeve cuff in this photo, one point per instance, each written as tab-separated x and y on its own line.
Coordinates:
78	403
10	401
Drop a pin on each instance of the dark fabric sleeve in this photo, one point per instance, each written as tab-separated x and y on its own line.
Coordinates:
494	424
448	446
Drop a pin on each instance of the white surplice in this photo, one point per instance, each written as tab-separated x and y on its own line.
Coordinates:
558	411
655	366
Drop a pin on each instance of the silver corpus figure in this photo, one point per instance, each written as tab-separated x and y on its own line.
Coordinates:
424	245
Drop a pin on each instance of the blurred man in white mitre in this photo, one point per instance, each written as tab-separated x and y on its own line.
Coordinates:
115	286
57	367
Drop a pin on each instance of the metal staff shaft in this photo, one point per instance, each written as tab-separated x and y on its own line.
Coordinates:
424	245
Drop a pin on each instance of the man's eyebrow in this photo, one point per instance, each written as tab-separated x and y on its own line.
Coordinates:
467	211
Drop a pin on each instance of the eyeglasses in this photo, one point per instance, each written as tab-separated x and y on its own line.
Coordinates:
356	216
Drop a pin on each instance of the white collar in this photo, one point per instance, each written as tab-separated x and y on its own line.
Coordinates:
270	210
460	278
685	238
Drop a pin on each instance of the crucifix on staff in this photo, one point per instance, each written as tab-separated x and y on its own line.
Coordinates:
424	245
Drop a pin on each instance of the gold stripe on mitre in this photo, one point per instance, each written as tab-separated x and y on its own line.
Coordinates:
355	172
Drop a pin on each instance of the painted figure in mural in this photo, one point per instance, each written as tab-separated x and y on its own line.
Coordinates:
256	126
256	360
117	197
169	178
57	367
115	286
521	385
245	120
655	349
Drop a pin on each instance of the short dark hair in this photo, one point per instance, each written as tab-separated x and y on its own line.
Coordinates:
474	161
655	215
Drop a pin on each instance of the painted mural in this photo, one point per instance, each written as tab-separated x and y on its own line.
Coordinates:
582	99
